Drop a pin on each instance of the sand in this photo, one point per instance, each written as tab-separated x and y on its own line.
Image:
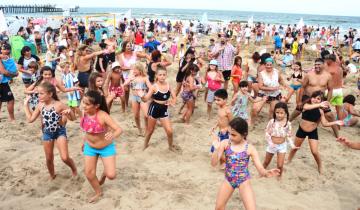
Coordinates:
159	179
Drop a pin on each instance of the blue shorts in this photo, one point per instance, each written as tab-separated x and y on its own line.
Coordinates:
222	136
136	98
107	151
49	136
295	87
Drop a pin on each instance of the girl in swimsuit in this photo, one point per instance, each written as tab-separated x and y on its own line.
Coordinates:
100	131
162	97
54	114
296	82
312	115
237	152
138	81
347	112
188	95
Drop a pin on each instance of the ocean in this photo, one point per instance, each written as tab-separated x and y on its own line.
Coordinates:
344	22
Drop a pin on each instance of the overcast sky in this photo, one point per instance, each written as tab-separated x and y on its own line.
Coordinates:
323	7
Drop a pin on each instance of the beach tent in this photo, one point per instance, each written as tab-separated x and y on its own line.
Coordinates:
3	25
101	18
98	33
16	24
17	43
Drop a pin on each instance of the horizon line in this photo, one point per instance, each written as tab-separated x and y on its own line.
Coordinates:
257	11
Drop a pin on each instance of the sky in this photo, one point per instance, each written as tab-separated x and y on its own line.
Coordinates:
320	7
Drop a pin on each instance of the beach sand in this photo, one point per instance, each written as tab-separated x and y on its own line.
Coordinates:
159	179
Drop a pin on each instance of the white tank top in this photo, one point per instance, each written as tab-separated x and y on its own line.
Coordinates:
272	81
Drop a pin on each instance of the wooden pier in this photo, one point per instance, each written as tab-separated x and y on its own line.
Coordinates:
20	9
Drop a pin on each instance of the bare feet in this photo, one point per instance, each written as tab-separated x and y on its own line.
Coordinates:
52	177
74	172
95	197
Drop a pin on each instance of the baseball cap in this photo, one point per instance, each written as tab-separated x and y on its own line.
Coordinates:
149	35
214	62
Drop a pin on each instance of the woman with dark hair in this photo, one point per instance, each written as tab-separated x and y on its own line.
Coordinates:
155	62
25	59
184	63
269	88
347	112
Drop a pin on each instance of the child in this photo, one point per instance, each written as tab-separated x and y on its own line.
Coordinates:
295	82
240	102
278	134
113	85
311	116
33	67
188	95
173	49
46	75
54	114
347	112
182	51
70	80
138	81
213	78
162	97
224	115
100	131
237	154
236	73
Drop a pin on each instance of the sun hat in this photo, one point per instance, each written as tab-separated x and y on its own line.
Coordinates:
115	64
149	35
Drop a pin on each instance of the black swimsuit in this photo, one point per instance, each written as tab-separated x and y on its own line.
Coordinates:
157	110
312	115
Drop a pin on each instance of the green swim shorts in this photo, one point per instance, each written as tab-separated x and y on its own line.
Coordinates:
73	103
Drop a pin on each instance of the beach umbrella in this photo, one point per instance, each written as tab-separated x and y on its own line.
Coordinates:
40	21
14	26
3	25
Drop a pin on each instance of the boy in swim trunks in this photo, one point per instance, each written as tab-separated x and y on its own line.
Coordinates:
113	83
224	115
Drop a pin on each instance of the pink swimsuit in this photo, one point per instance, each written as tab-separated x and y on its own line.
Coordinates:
91	125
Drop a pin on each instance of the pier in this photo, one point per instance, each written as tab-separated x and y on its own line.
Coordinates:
20	9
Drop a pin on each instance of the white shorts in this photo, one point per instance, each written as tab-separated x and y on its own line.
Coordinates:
210	96
278	148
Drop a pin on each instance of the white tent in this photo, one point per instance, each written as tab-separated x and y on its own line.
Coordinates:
3	25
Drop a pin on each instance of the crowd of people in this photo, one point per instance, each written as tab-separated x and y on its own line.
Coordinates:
131	67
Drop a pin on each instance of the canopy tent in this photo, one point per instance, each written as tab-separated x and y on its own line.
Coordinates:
106	19
3	25
17	43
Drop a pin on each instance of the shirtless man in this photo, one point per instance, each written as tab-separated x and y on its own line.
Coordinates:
316	80
333	67
83	62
